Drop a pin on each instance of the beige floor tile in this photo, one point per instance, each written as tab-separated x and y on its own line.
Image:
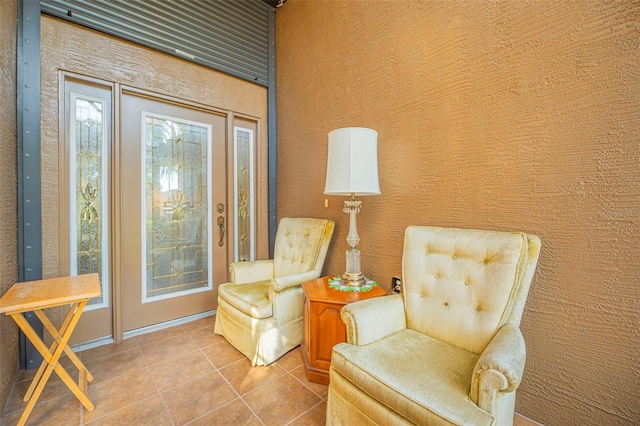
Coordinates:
112	366
107	350
205	337
181	369
156	336
113	395
301	374
520	420
315	416
54	388
26	375
60	411
234	413
291	360
222	354
66	362
198	385
199	323
198	397
281	400
165	349
149	412
244	378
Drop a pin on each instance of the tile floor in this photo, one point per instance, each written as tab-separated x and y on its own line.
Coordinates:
177	376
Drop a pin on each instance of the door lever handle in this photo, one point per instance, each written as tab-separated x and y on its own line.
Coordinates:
222	230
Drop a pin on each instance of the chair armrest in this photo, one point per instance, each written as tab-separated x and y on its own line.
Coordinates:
372	319
249	272
287	297
288	281
287	305
499	368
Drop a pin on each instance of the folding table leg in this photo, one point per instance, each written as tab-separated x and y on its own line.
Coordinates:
50	327
44	377
57	337
52	359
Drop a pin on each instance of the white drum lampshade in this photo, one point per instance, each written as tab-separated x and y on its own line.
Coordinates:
352	162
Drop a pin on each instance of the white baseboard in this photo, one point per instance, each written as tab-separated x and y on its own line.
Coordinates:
143	330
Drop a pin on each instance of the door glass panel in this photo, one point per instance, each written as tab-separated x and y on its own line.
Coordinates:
243	189
88	192
177	183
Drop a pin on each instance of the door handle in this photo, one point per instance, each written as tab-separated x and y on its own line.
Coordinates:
222	230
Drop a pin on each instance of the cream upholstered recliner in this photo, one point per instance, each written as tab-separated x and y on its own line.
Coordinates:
449	349
260	310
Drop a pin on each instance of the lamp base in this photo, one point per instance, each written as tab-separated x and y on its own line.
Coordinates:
354	280
353	275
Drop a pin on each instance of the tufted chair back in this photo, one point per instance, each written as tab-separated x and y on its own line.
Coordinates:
461	286
300	245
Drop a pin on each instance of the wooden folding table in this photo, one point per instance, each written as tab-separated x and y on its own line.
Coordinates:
36	296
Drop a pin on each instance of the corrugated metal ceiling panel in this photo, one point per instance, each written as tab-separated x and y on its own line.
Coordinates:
228	36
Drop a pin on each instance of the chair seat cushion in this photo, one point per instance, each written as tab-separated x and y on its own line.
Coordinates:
415	375
250	298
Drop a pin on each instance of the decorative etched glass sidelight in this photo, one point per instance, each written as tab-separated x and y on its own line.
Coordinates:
176	193
89	192
243	194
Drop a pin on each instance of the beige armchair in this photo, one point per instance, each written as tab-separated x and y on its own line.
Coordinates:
447	351
260	310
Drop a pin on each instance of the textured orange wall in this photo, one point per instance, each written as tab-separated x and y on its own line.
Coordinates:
8	192
497	115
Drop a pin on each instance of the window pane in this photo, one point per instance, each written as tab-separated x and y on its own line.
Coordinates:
244	194
176	206
89	233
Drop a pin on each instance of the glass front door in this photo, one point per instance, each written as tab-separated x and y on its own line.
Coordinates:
173	177
158	197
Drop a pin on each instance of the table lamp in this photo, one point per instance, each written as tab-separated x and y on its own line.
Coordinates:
352	170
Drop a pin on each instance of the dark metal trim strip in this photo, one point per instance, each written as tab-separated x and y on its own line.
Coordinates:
271	124
29	180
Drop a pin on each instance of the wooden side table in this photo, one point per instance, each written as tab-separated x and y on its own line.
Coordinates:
36	296
322	326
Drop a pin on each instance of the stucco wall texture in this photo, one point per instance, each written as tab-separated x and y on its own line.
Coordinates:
8	193
514	115
73	48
